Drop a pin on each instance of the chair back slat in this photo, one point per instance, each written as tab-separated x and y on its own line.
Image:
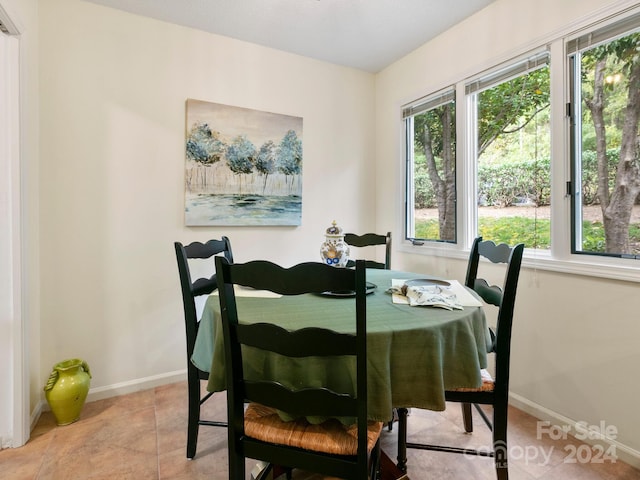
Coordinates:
306	342
365	240
496	253
203	286
209	249
318	402
309	277
491	294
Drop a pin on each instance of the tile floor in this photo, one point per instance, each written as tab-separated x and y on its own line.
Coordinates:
142	436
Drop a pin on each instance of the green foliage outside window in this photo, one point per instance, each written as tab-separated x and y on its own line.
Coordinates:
499	184
535	233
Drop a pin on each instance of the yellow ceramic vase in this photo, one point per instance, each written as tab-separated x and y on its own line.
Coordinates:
67	389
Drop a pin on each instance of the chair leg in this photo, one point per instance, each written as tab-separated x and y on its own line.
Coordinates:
402	439
193	385
237	461
394	417
500	441
374	462
467	417
501	461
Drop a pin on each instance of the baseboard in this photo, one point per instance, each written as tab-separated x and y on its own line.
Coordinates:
123	388
577	428
35	415
6	440
136	385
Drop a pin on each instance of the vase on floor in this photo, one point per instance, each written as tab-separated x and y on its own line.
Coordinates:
67	389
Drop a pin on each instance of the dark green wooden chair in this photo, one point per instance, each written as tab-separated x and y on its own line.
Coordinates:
258	432
191	289
494	391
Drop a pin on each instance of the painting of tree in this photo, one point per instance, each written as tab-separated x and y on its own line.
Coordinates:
243	166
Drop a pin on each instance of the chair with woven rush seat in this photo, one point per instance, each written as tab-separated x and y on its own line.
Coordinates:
493	391
190	291
328	448
369	240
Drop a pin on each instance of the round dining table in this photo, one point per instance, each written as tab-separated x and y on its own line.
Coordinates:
414	353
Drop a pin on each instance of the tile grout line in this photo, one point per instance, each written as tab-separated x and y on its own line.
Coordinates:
155	417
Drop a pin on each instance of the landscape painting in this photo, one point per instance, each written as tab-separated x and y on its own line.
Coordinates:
243	166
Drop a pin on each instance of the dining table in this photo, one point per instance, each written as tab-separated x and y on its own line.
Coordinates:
414	353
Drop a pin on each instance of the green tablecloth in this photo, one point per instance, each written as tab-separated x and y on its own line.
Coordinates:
414	353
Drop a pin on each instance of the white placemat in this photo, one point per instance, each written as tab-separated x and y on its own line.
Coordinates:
464	297
251	292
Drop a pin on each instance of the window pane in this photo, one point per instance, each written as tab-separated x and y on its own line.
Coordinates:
606	212
606	146
513	155
431	172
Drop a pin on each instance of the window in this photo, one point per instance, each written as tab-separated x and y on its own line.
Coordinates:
605	114
552	131
431	168
511	141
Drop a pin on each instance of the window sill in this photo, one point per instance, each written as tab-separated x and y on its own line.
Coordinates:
585	265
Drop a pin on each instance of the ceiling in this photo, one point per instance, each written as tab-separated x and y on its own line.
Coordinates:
365	34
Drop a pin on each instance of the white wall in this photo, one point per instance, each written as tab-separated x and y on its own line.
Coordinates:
575	343
113	92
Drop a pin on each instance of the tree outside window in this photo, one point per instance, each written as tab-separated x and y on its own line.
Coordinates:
513	154
431	168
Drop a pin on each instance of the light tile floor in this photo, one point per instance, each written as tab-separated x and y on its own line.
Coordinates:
142	436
